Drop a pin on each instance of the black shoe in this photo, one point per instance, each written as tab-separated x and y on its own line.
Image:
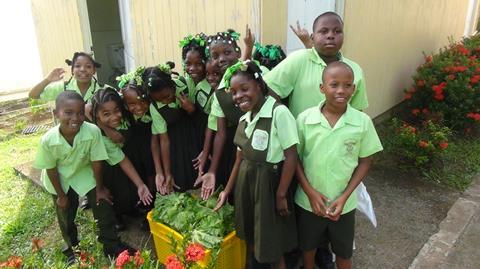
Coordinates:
70	254
114	251
324	258
84	205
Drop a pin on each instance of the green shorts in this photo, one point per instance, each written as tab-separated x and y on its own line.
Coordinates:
315	231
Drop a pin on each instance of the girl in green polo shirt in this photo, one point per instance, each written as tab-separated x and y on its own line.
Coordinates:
265	163
118	171
82	80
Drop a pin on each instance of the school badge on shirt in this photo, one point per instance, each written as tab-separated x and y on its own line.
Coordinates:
202	98
350	145
260	140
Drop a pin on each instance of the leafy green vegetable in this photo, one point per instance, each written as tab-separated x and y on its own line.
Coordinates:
186	214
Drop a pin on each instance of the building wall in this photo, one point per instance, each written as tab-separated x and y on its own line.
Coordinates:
158	25
273	22
387	39
57	26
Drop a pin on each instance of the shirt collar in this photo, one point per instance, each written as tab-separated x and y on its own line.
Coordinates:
317	59
264	112
82	135
347	118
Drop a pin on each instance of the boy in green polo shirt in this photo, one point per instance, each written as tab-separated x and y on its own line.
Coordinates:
336	142
298	76
71	155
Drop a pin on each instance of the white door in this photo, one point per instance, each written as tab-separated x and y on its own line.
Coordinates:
305	11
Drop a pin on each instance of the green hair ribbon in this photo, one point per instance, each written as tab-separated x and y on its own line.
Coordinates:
240	65
165	68
189	39
135	75
234	35
272	52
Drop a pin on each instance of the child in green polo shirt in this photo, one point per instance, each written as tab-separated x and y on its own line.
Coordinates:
266	157
297	77
336	145
71	155
82	80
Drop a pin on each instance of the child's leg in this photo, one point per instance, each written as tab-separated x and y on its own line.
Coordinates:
66	219
343	263
342	233
279	265
309	259
105	217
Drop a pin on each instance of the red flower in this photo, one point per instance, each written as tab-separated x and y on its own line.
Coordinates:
477	70
415	111
173	262
475	116
421	83
428	58
474	79
12	262
451	77
463	50
425	111
439	97
412	129
443	145
83	256
138	259
122	259
194	252
422	143
408	96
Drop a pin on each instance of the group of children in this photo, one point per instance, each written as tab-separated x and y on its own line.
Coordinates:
290	171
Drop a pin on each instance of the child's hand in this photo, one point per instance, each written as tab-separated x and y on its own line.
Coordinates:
198	163
208	185
335	209
62	201
282	206
186	104
222	198
113	134
56	74
170	184
303	35
317	202
160	184
104	194
249	39
144	194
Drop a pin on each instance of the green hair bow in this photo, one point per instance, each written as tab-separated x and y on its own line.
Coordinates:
240	65
135	75
189	39
272	52
235	35
165	68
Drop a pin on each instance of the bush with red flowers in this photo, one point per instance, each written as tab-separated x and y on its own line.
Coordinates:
446	87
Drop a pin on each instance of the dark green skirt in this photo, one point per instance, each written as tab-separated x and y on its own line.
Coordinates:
256	217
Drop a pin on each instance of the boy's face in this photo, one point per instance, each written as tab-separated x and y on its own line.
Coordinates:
194	66
83	69
328	35
71	115
337	86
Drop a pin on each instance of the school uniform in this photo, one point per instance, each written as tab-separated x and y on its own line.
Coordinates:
53	89
74	166
223	106
123	190
262	145
201	96
330	156
184	147
299	77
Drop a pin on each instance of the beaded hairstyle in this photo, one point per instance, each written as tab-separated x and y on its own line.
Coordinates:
229	37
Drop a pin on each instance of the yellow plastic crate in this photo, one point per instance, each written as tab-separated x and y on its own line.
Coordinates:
231	256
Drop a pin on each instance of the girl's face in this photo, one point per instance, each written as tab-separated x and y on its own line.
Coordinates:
194	66
109	114
213	75
83	69
135	104
223	55
164	95
246	92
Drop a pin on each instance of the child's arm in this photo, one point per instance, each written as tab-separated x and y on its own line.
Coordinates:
62	199
316	199
142	189
169	182
335	209
249	41
111	133
209	179
55	75
186	104
222	197
289	164
102	192
199	162
155	148
303	35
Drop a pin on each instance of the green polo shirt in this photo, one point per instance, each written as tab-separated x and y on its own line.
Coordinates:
330	155
216	110
278	140
203	89
73	163
53	89
300	76
159	125
145	118
114	151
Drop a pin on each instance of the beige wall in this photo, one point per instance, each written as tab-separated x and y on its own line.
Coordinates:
158	25
273	22
58	31
387	39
